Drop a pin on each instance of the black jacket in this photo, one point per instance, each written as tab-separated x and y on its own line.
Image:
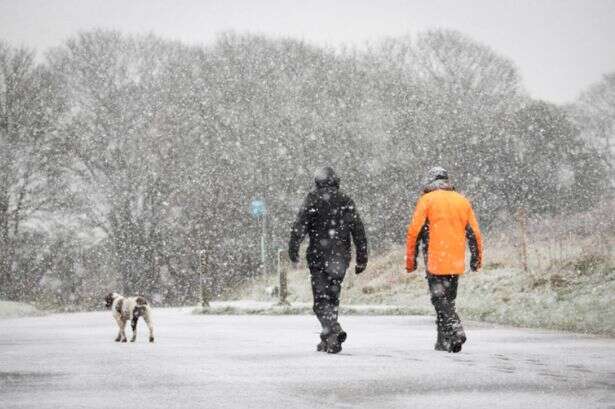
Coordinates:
329	217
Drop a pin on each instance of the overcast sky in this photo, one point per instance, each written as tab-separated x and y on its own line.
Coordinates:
560	47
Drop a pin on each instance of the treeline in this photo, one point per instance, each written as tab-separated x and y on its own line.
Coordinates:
122	158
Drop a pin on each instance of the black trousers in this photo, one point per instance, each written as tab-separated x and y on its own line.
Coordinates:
326	288
443	291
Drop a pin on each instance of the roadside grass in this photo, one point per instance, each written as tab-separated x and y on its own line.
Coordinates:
11	309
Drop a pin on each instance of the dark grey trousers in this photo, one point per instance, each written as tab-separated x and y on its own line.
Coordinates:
326	288
443	289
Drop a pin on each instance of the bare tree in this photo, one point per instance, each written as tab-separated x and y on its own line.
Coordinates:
114	86
30	178
594	113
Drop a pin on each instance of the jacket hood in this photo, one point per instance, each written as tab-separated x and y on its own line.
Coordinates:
326	177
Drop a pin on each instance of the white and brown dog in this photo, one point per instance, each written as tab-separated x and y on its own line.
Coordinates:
129	308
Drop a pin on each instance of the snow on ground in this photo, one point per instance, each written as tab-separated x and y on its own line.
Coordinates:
11	309
214	361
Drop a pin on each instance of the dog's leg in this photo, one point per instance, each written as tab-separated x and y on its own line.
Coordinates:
119	331
123	329
150	326
133	324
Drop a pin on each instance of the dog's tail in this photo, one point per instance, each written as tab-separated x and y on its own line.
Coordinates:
140	308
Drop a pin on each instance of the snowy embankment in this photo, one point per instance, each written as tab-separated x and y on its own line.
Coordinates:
247	307
579	300
11	309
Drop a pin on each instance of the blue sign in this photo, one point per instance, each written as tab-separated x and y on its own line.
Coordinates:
257	208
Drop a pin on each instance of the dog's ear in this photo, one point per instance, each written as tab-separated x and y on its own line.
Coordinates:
109	300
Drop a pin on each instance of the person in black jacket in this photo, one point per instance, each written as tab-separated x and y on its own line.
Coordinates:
329	218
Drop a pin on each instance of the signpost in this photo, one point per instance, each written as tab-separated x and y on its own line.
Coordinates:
259	211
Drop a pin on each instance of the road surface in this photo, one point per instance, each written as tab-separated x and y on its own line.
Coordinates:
70	361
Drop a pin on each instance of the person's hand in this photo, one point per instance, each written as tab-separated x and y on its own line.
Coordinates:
295	265
359	268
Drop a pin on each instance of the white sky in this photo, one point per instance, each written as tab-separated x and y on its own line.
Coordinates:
560	47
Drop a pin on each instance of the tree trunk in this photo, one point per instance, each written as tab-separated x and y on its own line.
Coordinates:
7	254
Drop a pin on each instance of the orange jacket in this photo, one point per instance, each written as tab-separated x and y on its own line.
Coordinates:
442	220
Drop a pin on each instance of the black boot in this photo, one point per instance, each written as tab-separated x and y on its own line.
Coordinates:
335	339
322	345
458	338
442	344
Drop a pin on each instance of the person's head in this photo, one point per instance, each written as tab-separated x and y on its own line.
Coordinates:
435	173
436	179
326	177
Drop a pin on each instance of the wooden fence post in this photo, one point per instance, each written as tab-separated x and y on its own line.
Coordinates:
283	264
202	274
522	220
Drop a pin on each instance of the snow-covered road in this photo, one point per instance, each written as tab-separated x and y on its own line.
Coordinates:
70	361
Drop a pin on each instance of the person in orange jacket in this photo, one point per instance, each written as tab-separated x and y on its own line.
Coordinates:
442	222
